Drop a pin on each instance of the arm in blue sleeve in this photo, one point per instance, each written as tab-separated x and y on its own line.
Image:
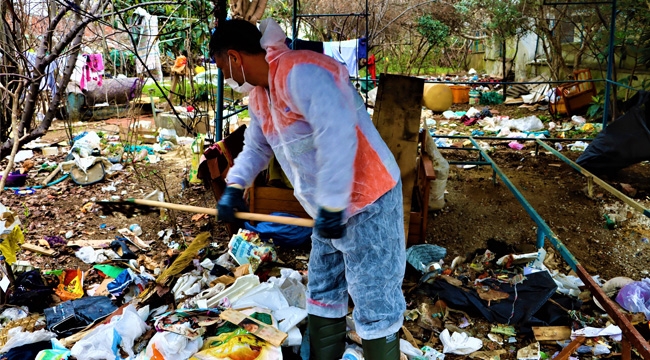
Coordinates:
330	110
254	157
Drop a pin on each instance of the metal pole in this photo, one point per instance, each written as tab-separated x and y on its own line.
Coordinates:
218	121
505	87
294	24
610	64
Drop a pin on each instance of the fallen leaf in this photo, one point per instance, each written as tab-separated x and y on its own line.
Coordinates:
492	295
451	280
44	243
198	217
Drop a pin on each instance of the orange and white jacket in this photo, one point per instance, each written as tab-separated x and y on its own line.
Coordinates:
315	123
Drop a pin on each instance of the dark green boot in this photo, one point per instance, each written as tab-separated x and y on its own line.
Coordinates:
326	338
386	348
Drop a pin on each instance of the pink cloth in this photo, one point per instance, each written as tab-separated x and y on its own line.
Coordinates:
92	71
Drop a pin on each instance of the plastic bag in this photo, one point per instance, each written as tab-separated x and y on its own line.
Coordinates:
130	327
459	343
103	342
635	297
409	350
100	344
529	123
87	255
85	144
238	344
167	346
58	352
17	337
70	285
281	234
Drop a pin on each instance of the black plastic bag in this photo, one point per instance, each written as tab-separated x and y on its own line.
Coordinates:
622	143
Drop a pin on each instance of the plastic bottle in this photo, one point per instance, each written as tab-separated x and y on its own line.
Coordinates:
136	229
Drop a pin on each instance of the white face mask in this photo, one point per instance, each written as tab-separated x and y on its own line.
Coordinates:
244	88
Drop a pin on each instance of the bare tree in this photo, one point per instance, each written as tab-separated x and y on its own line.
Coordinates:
53	32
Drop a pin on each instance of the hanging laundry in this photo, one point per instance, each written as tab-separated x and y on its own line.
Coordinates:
88	69
148	44
347	52
372	68
49	80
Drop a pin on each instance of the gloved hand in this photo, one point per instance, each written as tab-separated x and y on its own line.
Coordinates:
231	201
329	224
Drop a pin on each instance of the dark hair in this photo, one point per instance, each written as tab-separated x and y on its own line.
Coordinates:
237	35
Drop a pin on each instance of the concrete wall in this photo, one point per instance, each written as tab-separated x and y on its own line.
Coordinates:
526	67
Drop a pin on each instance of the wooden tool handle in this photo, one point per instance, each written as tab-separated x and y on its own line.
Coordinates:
52	175
240	215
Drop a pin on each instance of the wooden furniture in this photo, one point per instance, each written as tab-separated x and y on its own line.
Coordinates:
397	117
575	96
266	199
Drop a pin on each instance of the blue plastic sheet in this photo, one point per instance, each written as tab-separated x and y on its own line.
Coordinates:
282	235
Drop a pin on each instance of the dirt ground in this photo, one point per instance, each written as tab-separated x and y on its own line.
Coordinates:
477	210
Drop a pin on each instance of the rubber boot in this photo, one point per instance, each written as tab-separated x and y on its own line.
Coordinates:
326	338
386	348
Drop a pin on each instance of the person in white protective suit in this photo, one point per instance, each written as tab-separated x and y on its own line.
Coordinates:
305	111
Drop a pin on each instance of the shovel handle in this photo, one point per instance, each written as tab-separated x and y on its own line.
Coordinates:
240	215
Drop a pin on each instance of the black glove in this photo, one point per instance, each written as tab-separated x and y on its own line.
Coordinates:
231	201
329	224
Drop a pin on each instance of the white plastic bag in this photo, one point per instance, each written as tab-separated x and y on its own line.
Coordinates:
409	350
459	343
173	346
17	337
87	254
100	344
130	327
86	144
529	123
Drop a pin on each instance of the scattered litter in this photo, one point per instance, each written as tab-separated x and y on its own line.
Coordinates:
515	145
635	297
247	248
530	352
459	343
578	146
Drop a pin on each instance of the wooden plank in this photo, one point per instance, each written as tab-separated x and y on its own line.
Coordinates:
268	192
569	349
543	333
397	118
38	249
95	244
267	206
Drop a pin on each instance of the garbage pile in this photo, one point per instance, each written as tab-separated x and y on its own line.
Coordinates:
91	158
204	300
492	304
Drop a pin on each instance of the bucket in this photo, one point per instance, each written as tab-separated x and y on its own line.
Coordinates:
460	94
